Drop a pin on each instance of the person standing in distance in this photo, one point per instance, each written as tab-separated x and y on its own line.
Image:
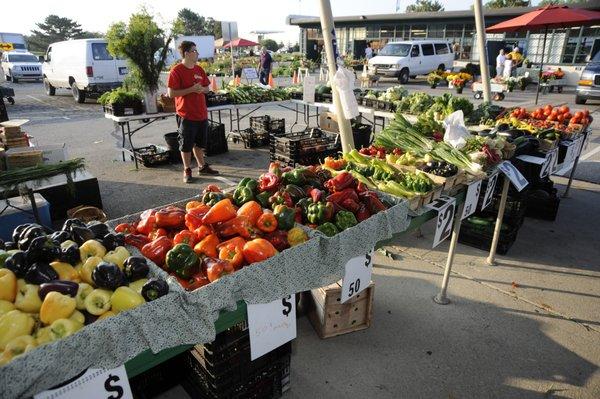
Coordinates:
264	67
500	59
368	51
188	85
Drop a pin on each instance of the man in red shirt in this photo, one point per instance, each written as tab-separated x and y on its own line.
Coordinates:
188	84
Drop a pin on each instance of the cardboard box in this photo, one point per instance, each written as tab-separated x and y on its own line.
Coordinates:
328	121
53	153
22	157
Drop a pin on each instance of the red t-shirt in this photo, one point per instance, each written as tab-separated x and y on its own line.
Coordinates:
192	106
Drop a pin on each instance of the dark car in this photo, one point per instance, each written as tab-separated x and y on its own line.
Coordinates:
588	87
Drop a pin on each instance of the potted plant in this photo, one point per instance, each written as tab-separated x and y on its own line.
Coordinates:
527	63
145	46
433	79
121	102
523	81
510	84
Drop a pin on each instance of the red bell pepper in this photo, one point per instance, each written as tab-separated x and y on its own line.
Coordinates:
362	213
239	225
275	168
298	216
125	228
316	194
158	232
340	182
193	217
147	222
197	281
136	240
192	205
216	268
211	188
281	198
372	201
157	250
268	182
185	237
170	217
278	239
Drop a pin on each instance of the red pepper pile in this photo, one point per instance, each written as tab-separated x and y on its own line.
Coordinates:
379	152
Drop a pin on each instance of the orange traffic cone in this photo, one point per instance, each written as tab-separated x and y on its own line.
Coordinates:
213	84
271	81
295	78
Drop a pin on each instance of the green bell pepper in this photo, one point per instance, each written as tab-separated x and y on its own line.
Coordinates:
297	193
182	260
295	177
319	212
3	256
286	217
252	184
241	195
263	199
211	198
304	203
345	220
328	229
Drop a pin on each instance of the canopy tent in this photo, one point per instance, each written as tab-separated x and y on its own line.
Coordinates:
239	42
549	17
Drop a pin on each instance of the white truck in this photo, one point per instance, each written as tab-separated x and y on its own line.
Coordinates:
84	65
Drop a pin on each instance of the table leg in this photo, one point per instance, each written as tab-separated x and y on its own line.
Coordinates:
123	143
132	147
34	207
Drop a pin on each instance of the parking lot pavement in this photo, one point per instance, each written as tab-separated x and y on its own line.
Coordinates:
59	119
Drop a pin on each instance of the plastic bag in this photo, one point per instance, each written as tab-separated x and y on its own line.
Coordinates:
456	133
344	81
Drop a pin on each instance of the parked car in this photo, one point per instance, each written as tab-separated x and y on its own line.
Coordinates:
588	87
20	65
406	59
84	65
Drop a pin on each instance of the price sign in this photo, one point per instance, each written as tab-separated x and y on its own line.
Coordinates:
357	276
489	191
250	73
309	84
549	164
93	384
271	325
513	174
582	143
571	153
473	192
445	207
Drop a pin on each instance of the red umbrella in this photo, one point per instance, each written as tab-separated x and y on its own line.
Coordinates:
240	43
549	17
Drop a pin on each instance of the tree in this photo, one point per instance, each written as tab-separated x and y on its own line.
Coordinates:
425	6
556	2
145	46
56	29
506	3
280	45
270	44
190	23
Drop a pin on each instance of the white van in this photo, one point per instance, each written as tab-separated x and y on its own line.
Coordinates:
84	65
411	58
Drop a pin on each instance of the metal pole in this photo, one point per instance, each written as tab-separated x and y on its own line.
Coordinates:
332	55
441	298
537	92
483	64
491	258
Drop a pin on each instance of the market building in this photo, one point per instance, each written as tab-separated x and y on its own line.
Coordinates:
570	47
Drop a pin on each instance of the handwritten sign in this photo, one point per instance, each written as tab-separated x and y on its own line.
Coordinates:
445	207
93	384
513	174
357	275
271	325
250	73
473	192
489	191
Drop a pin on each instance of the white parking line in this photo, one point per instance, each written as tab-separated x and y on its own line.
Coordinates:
45	103
226	181
590	153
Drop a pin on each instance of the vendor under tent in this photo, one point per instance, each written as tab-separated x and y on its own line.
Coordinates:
549	17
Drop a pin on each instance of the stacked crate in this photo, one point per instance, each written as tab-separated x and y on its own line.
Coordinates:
304	148
13	138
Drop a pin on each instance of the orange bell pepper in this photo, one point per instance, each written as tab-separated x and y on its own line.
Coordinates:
235	241
193	217
192	205
208	246
233	255
197	281
267	222
185	237
222	211
158	232
201	232
258	250
238	225
216	268
252	210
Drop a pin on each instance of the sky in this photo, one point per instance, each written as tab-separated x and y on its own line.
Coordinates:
21	16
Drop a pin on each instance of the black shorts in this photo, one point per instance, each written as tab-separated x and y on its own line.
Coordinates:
192	133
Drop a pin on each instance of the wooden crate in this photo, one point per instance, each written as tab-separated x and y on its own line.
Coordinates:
330	317
10	132
23	159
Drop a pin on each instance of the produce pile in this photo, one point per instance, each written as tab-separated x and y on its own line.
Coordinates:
546	120
251	94
52	284
439	107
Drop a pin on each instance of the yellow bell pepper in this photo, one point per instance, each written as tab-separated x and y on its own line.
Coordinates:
43	336
6	307
106	315
296	236
91	248
78	317
82	292
27	300
17	347
56	306
14	324
138	284
88	267
117	256
98	301
124	298
8	285
65	271
62	328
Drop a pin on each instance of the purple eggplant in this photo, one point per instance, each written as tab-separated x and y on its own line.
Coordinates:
65	287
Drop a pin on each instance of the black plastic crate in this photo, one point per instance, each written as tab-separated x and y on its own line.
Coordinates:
252	139
514	211
384	105
481	238
214	100
152	156
543	206
267	125
135	108
217	141
158	379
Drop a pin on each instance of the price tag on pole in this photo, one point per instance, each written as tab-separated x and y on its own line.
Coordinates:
93	384
271	325
471	199
549	164
357	276
489	191
513	174
445	207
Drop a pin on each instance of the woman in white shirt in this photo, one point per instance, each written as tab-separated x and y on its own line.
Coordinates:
508	64
500	63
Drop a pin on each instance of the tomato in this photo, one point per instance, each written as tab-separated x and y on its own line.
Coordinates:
547	112
585	121
560	118
548	107
578	115
568	115
586	112
540	110
554	112
552	117
564	109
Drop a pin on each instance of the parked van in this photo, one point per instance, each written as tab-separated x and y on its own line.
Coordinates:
21	65
588	87
406	59
84	65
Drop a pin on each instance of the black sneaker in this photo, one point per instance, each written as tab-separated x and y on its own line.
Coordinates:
187	175
207	170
